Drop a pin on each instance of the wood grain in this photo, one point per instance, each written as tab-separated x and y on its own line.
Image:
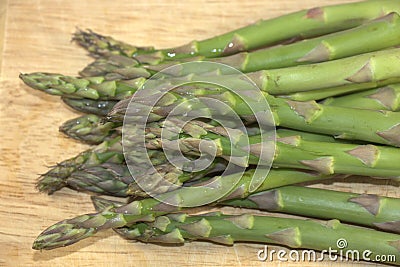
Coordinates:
37	38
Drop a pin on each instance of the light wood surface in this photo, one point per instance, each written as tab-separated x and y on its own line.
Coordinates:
36	37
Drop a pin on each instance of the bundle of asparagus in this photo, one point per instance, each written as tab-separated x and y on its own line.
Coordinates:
330	85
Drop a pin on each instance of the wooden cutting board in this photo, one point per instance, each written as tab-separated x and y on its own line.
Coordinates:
36	36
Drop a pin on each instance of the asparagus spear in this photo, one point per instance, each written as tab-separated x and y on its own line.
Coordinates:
384	98
116	179
97	44
71	231
324	93
283	133
87	171
290	151
385	32
361	209
353	73
303	116
294	233
104	179
79	172
85	105
107	151
86	178
304	24
96	88
352	124
113	68
107	179
89	129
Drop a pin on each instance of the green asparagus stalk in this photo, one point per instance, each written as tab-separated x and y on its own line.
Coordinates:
96	88
384	98
70	231
351	124
87	178
107	151
116	179
303	116
294	233
290	151
85	105
284	133
115	67
361	209
107	179
95	169
304	24
324	93
98	45
136	231
89	129
80	171
353	73
363	71
367	125
372	36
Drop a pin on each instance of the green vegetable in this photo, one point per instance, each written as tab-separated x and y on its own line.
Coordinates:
71	231
303	24
85	105
372	36
384	98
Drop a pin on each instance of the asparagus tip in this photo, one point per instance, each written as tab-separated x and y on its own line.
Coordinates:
50	184
63	234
